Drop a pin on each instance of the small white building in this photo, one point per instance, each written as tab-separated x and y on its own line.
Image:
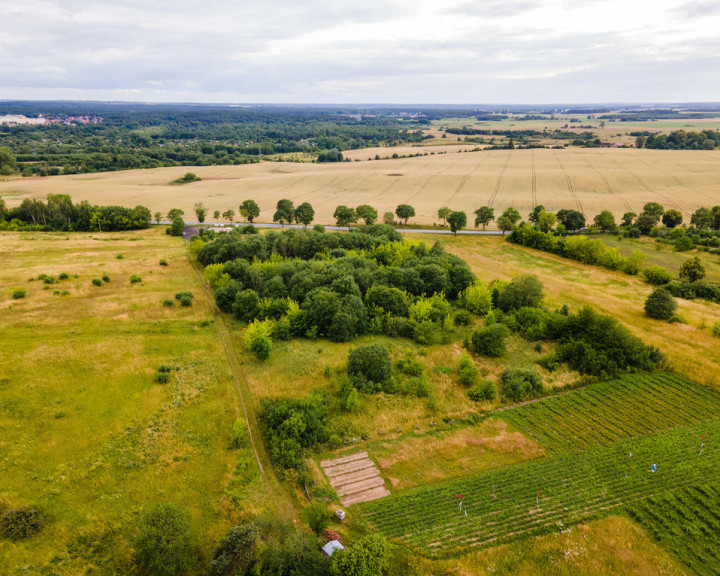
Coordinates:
331	547
340	514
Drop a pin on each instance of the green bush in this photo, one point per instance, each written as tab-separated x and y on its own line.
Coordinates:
240	435
19	294
410	365
105	278
96	282
550	362
48	280
168	302
467	370
119	256
162	377
63	276
523	291
185	300
317	517
484	391
716	329
261	346
655	275
134	279
462	318
519	383
490	340
164	545
370	366
19	523
683	244
186	294
660	305
163	262
692	270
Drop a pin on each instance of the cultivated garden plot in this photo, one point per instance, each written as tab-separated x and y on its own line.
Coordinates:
355	478
534	497
604	413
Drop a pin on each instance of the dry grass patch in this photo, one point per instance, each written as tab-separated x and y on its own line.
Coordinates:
427	458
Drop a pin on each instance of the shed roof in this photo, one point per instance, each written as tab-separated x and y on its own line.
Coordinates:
332	546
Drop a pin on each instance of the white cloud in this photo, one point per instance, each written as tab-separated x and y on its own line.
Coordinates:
455	51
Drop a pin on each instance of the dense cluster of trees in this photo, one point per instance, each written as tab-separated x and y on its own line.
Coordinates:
309	283
678	140
59	213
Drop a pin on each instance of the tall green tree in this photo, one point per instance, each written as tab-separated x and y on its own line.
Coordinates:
304	214
628	219
229	215
201	212
457	221
444	213
344	215
702	218
175	213
605	221
368	557
216	214
672	218
654	209
157	216
513	215
405	212
692	270
249	210
367	213
484	215
505	224
546	220
164	544
571	219
533	216
284	211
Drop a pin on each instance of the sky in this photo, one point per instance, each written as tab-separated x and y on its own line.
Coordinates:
368	51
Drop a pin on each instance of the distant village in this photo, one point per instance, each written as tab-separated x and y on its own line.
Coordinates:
18	119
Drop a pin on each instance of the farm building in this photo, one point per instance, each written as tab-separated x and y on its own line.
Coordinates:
331	547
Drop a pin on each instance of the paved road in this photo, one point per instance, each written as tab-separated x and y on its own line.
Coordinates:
345	228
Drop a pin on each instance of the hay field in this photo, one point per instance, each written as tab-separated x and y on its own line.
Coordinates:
587	179
86	434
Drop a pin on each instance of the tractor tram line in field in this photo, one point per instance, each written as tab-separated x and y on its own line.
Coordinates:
465	179
569	184
610	445
608	187
496	189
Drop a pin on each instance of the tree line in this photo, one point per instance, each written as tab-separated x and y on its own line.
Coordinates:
59	213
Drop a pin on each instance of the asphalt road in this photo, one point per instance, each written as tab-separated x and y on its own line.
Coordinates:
345	228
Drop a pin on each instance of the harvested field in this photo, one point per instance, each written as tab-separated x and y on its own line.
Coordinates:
590	179
355	478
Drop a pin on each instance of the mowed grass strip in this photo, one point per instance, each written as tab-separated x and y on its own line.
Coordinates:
604	413
686	521
569	488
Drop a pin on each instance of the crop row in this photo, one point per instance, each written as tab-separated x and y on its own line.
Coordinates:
610	411
534	496
687	522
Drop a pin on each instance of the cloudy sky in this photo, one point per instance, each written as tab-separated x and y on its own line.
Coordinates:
367	51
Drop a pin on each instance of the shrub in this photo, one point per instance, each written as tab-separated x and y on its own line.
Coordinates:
179	295
105	278
523	291
163	262
119	256
370	366
518	383
550	362
240	435
484	391
683	244
236	552
467	370
96	282
186	300
168	302
409	365
490	340
716	329
134	279
63	276
692	270
49	280
317	517
660	305
19	523
19	294
462	318
164	544
162	377
477	298
261	347
655	275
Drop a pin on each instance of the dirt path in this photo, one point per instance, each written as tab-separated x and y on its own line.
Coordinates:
281	499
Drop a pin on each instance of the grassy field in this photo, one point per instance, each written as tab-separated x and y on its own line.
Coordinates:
587	179
86	434
693	350
535	496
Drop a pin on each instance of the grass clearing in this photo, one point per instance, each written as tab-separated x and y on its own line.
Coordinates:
85	432
692	350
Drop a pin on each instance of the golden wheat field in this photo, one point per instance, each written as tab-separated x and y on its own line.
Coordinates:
589	180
